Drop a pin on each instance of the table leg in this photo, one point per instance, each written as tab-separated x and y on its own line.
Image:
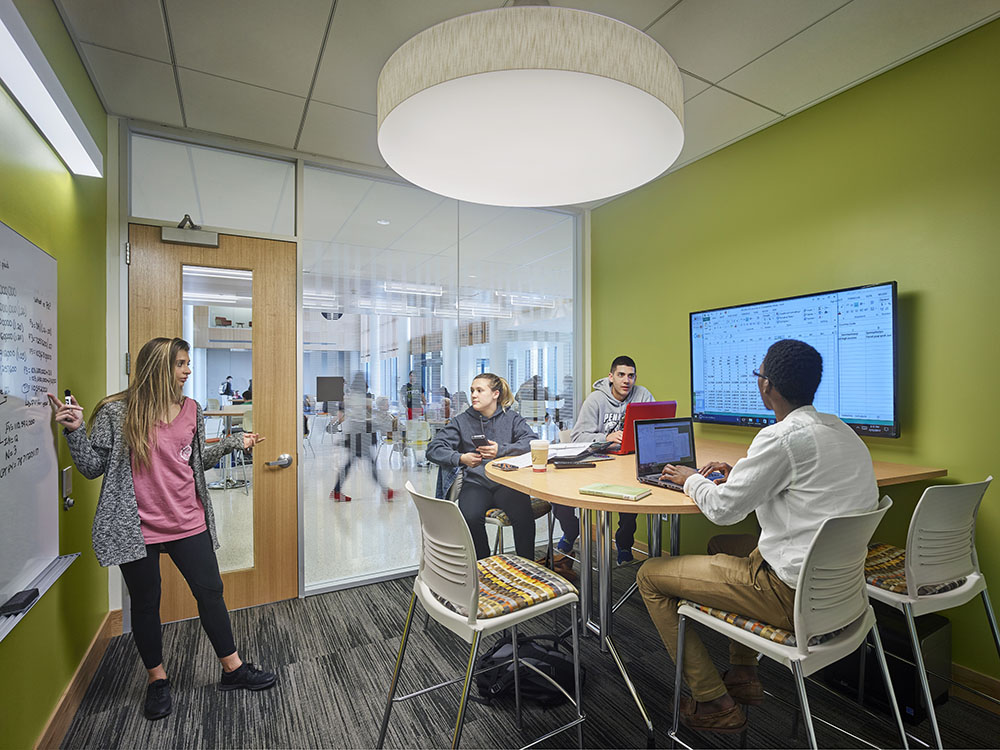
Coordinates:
604	575
675	534
655	531
650	739
586	576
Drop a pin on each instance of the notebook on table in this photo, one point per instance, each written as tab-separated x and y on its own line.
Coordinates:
619	491
645	410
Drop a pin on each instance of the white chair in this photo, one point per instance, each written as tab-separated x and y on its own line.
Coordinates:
832	615
307	437
939	568
473	600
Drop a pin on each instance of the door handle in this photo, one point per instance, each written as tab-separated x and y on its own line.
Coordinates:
284	461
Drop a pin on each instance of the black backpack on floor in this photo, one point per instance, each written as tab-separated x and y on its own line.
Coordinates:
545	652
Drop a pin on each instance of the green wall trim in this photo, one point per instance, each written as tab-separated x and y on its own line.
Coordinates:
894	179
65	216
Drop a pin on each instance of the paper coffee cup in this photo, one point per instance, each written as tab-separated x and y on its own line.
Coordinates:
539	455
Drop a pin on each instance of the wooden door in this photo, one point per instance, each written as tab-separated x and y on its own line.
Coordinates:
155	309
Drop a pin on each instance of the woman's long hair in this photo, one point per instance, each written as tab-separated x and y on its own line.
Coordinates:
150	395
506	397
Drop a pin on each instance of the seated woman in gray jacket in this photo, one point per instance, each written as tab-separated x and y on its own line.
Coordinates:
149	443
507	434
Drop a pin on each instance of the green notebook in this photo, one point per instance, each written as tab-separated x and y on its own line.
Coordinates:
619	491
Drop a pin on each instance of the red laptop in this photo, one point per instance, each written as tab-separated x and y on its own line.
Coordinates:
647	410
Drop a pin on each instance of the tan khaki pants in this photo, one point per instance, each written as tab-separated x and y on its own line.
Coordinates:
736	579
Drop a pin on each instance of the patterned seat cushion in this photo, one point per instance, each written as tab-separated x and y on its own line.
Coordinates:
885	568
508	583
770	632
539	508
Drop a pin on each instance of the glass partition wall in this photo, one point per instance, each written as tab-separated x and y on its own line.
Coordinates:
406	296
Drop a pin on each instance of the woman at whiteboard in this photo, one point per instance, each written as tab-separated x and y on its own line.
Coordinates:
149	443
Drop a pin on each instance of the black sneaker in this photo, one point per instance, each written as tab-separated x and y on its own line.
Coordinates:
158	703
247	677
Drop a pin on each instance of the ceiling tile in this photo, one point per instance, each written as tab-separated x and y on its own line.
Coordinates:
269	44
692	86
340	133
434	233
134	86
512	227
401	205
712	38
534	247
714	118
135	26
329	200
855	43
358	46
238	109
637	13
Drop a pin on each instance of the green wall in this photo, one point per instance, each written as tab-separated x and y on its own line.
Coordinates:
65	216
894	179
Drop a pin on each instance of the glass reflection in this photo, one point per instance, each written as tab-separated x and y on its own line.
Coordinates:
406	297
217	321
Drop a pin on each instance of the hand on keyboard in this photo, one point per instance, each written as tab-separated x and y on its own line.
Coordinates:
716	471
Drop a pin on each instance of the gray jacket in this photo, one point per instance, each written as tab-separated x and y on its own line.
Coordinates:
506	428
117	535
602	413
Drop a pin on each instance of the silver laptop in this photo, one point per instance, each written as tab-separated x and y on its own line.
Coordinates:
659	442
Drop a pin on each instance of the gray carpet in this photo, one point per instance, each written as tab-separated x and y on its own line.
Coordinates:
334	655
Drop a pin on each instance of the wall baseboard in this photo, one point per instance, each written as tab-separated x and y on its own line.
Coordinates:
981	682
72	696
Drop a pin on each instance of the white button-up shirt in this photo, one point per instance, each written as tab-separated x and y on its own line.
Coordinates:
797	473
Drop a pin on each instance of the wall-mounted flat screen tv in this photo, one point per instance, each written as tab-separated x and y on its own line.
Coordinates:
853	329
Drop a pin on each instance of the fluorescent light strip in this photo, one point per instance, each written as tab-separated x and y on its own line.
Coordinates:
531	300
217	273
195	297
428	290
28	76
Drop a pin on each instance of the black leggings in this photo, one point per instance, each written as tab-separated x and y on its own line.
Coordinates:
475	499
194	557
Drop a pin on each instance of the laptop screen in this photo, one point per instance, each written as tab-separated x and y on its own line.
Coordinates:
663	441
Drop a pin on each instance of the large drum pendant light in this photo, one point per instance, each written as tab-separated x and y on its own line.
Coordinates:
530	106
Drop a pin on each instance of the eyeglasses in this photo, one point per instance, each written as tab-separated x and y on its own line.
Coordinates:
758	375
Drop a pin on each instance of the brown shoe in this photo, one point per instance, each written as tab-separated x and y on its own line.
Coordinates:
745	692
728	721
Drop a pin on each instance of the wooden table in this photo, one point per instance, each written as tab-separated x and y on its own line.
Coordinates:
561	486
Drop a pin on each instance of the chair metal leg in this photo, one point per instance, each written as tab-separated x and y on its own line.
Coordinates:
678	681
517	680
800	686
918	658
883	664
992	618
466	687
577	683
550	552
395	672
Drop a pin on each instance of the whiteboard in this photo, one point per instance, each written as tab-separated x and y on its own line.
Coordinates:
29	489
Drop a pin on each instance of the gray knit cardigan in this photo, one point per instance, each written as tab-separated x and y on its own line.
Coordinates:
117	535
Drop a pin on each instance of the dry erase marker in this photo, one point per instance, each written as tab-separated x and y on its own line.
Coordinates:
69	401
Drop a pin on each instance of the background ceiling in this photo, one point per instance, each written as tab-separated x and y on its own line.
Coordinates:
301	74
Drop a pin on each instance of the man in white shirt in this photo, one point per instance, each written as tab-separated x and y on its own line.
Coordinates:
798	472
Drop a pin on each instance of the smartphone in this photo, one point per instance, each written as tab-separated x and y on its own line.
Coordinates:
575	465
480	441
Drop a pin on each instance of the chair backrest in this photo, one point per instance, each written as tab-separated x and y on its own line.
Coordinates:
248	420
941	543
213	404
447	557
565	436
832	593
